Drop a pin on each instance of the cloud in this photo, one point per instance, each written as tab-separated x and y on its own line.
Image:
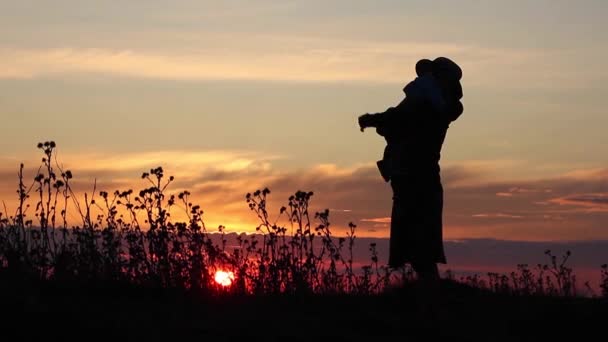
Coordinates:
470	172
521	191
504	194
215	164
377	220
587	174
291	58
592	202
559	208
601	199
497	215
307	63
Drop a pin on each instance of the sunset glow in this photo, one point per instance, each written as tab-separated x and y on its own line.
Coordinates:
224	278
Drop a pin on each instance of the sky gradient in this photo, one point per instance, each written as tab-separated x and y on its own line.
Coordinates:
232	96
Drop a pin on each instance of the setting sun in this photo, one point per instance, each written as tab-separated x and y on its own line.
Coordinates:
224	278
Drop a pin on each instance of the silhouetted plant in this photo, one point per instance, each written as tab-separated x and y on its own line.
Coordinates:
131	237
552	279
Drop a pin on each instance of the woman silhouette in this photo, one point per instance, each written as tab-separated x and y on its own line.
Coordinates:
415	130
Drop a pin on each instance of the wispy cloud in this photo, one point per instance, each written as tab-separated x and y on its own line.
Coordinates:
292	58
497	215
596	202
377	220
296	64
514	191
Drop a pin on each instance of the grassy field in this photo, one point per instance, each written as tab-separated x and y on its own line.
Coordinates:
49	310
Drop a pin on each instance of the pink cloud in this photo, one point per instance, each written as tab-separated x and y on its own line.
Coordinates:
504	194
497	215
378	220
596	200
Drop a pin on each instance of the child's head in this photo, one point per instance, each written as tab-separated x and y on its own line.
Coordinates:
424	66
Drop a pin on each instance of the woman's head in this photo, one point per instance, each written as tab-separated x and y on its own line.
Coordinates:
448	74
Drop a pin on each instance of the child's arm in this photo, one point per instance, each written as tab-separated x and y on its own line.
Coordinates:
399	117
374	120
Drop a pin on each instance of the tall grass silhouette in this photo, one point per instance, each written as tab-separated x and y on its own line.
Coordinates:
131	237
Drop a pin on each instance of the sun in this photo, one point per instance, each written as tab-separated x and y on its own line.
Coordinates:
224	278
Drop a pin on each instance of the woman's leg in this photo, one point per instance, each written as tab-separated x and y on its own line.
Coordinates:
428	281
397	248
427	272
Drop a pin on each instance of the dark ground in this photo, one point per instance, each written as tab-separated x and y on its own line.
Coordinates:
49	311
